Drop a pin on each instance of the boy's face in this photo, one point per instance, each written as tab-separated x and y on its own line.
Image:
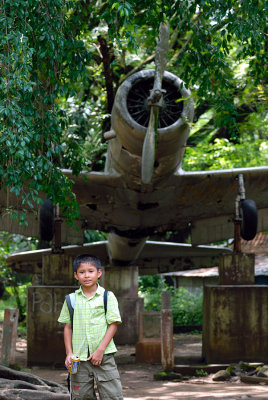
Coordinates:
87	274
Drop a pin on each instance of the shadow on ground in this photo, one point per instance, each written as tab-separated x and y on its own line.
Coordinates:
138	382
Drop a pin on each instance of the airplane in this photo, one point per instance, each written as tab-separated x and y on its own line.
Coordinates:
144	191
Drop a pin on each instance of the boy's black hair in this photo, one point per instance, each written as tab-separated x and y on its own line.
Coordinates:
86	258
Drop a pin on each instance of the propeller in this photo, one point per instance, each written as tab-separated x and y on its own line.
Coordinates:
155	101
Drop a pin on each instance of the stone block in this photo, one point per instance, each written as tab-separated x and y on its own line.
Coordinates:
149	325
149	351
235	323
57	270
236	269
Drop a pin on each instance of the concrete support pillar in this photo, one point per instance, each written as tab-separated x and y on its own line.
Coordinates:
123	281
57	269
167	350
236	269
9	337
235	324
235	316
45	344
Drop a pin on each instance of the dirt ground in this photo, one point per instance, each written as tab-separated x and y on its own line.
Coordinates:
138	383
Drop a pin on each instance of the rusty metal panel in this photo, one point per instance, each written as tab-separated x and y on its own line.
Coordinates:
211	230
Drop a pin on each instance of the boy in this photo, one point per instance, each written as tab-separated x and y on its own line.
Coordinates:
91	337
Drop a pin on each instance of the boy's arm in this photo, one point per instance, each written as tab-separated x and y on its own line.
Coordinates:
96	357
68	332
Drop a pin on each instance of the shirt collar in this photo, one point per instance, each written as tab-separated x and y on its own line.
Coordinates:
98	291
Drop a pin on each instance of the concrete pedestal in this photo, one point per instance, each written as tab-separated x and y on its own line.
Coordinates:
57	269
45	344
235	323
237	269
148	348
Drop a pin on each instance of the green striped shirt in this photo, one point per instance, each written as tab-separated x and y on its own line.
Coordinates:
90	322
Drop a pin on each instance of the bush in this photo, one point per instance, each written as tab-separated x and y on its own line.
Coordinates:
16	299
186	307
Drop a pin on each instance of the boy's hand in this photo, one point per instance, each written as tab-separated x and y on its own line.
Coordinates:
68	361
96	357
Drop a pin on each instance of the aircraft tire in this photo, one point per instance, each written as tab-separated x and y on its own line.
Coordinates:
249	214
46	221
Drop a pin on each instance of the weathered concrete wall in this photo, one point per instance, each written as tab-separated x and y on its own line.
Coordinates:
57	270
123	281
235	323
44	334
237	269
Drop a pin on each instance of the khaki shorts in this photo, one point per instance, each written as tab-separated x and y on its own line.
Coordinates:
106	377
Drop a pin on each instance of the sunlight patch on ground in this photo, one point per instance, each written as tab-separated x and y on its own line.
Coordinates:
184	391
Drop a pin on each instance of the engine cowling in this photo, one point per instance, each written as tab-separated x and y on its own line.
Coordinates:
130	117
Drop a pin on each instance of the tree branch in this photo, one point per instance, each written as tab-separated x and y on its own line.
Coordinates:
106	59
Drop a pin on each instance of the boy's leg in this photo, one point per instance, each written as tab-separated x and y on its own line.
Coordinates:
82	383
108	379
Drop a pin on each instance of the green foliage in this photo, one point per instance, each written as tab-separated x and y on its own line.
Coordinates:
149	283
11	299
17	299
201	372
15	295
9	302
223	154
186	307
94	236
35	58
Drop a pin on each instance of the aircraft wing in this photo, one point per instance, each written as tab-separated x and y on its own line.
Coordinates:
208	199
203	201
155	257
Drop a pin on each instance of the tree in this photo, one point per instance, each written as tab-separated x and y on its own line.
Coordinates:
57	56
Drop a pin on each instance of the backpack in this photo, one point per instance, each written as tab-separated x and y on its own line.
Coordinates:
70	299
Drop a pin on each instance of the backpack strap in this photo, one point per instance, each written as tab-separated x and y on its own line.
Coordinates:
105	299
70	300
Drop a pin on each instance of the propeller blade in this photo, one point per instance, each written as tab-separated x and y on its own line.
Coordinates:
161	55
148	148
149	144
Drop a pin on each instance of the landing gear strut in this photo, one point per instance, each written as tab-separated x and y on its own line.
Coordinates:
246	217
